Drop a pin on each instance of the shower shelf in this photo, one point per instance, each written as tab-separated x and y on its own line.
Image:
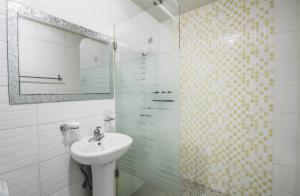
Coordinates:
156	100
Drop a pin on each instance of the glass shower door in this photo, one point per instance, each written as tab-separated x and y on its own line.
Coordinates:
147	100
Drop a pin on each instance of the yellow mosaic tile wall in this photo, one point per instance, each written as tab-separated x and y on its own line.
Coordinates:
227	83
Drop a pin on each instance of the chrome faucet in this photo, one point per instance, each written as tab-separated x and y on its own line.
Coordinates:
98	136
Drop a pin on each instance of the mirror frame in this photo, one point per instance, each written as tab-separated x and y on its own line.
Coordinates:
14	12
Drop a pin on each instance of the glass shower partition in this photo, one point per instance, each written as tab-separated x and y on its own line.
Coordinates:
147	104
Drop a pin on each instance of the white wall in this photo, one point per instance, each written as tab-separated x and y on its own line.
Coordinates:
286	121
135	32
94	14
33	157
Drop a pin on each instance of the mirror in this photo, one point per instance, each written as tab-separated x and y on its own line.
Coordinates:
51	59
56	61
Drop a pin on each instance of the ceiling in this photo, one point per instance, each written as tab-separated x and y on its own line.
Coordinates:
185	6
188	5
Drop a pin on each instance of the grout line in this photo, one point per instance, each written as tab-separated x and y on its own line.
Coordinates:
18	127
287	58
275	137
48	123
290	140
18	152
32	180
288	86
77	181
289	31
278	112
38	149
56	156
283	165
283	190
69	119
17	169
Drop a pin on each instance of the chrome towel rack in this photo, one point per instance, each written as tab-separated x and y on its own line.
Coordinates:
59	77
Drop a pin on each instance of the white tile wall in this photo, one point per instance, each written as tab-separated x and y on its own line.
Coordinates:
18	148
73	189
282	178
24	181
52	142
2	22
54	112
284	152
3	53
286	118
285	126
287	72
286	20
286	46
34	154
58	173
280	3
286	99
281	193
3	68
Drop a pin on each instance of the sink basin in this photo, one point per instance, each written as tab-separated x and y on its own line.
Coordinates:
109	149
101	155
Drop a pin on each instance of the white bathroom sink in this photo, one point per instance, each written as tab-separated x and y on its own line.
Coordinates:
102	155
108	150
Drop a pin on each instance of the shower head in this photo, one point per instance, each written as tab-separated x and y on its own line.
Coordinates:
150	40
166	8
146	49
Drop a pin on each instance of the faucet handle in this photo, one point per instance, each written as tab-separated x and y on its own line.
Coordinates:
97	131
97	135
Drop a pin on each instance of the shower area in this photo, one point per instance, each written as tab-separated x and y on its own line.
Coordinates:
204	100
147	101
